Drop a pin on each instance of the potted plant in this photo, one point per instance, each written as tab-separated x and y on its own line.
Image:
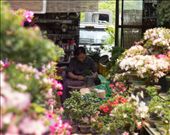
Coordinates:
160	113
120	114
81	109
147	61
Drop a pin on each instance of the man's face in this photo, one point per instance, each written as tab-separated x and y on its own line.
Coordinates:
81	57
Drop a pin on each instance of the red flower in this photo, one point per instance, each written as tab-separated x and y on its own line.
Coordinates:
105	108
116	102
123	100
59	93
119	87
112	86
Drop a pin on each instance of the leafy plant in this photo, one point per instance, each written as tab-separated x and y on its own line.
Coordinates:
25	45
112	66
78	107
120	114
160	108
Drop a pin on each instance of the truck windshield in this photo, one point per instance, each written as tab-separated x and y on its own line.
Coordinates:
93	36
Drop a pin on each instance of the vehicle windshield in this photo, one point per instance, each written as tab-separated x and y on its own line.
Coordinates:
93	36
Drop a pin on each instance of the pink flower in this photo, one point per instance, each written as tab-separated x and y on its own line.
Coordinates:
50	115
12	129
56	85
28	16
61	109
59	86
52	129
161	56
125	133
4	65
118	87
139	125
59	93
51	101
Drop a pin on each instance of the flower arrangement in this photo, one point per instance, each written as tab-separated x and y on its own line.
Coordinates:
108	107
133	51
28	93
119	113
147	59
57	126
22	99
157	40
145	66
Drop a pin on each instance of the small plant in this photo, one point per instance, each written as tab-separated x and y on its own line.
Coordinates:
80	109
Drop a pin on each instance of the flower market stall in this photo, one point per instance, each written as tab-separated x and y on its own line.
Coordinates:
135	98
139	102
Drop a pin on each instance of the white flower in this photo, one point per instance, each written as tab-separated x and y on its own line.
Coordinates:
144	66
6	119
30	126
18	100
21	86
142	110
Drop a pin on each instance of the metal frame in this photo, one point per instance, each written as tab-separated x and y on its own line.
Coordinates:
120	42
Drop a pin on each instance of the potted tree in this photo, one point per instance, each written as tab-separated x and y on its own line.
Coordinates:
81	109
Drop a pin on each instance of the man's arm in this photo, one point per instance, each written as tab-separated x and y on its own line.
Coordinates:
76	77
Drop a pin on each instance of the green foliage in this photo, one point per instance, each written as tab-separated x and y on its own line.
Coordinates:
32	85
82	17
111	31
160	108
101	125
163	11
151	90
25	45
122	117
78	107
108	5
116	53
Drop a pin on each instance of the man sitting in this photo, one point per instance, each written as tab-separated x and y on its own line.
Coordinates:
82	72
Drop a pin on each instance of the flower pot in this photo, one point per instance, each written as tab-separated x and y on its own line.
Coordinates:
84	129
74	128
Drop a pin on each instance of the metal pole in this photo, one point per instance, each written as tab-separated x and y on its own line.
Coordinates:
122	27
117	24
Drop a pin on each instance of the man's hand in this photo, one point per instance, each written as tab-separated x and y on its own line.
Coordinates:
80	78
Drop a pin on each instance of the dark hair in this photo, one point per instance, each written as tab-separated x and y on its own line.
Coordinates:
79	50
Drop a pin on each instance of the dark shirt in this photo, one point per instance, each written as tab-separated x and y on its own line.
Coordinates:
82	68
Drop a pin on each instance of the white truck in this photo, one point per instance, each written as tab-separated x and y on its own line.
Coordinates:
93	32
